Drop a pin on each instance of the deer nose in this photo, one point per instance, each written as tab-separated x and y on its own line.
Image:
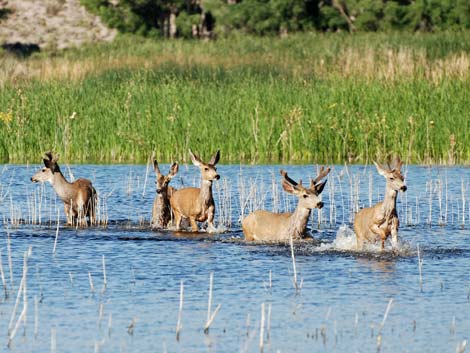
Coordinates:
403	188
320	205
159	191
217	177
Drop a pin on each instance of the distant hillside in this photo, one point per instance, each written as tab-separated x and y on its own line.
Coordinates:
50	24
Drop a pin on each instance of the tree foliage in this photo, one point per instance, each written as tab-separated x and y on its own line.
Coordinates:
262	17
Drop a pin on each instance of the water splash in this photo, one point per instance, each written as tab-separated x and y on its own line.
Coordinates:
346	241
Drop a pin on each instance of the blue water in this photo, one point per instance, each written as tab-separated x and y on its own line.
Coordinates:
344	294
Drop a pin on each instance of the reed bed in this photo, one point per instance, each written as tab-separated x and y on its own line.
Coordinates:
332	98
440	201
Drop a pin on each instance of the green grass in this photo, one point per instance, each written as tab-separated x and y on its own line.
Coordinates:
239	101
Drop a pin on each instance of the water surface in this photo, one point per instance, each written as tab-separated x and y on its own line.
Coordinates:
339	308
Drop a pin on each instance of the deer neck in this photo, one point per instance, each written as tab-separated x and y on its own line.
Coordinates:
163	199
298	222
62	187
205	193
390	201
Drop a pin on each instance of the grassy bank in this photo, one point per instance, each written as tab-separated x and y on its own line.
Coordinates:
303	99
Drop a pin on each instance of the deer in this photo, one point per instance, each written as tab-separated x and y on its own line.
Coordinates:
381	220
161	210
79	197
263	225
197	204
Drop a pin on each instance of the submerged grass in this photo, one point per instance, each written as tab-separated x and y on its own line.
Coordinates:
307	98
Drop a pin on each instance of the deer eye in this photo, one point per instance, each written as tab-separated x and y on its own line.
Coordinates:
392	179
305	196
206	169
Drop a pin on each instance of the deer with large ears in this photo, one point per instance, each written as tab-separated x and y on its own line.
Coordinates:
381	220
268	226
79	197
197	204
161	210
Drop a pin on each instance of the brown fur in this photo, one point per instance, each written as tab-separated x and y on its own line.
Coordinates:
79	197
197	204
381	220
161	209
263	225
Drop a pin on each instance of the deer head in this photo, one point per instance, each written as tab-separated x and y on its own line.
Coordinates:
308	197
162	181
392	174
47	172
208	170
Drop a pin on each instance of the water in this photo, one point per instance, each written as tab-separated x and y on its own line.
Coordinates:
344	294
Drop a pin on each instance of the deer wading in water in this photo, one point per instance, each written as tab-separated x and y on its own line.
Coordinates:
161	210
268	226
79	197
381	220
197	204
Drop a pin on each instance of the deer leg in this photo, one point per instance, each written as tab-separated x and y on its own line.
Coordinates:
194	227
68	214
394	231
90	212
177	220
210	220
379	231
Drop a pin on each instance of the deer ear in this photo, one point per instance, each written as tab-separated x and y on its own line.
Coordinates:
155	167
380	170
319	187
288	187
215	158
174	169
195	159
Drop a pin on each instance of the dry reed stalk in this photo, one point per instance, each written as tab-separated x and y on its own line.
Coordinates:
209	304
2	274
10	263
53	340
247	323
149	161
387	310
56	234
379	335
179	325
105	280
210	316
100	314
268	328
461	347
17	325
356	322
261	329
110	322
18	296
131	327
21	290
420	268
36	316
463	203
294	267
90	279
